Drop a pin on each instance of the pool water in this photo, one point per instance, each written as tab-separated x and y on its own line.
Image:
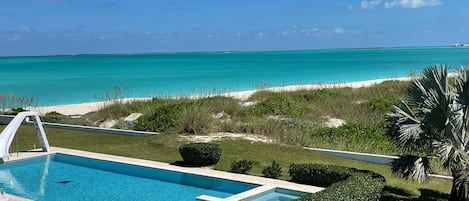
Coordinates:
277	194
67	177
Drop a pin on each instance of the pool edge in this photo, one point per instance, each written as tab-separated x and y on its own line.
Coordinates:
265	184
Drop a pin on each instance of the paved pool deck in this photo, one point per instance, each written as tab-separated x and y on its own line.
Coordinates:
266	184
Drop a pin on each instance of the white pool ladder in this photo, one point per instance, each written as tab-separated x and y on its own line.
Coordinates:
7	135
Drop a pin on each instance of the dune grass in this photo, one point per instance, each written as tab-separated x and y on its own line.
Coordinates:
165	148
295	118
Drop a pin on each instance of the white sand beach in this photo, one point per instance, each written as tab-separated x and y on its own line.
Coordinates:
83	108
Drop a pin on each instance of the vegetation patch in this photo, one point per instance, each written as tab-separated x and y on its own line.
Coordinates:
165	119
200	154
348	136
273	170
295	118
347	184
277	104
241	166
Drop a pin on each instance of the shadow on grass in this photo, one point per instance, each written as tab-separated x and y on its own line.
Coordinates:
183	164
427	194
393	193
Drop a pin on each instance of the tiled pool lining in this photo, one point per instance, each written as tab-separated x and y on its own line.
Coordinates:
265	184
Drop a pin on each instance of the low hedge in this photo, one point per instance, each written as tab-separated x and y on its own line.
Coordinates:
318	175
347	184
200	154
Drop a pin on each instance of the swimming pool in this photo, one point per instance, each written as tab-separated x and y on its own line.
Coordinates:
277	194
68	177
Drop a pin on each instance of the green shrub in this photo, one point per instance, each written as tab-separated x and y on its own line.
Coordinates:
165	119
383	103
360	186
54	117
347	184
273	170
318	174
241	167
200	154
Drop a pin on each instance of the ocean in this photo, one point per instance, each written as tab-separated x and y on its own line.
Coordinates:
70	79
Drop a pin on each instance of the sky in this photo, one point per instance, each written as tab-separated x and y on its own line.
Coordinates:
57	27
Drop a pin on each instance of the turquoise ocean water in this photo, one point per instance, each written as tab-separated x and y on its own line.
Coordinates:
76	79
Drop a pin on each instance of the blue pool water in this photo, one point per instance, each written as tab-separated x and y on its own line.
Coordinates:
66	177
277	194
86	78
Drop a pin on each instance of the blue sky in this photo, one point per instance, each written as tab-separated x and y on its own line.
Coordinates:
51	27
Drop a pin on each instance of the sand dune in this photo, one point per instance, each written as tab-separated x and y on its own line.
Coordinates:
83	108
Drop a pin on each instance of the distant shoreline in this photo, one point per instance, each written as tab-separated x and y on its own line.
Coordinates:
222	51
84	108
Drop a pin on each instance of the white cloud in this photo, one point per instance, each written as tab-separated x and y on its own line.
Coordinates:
339	31
16	38
370	4
260	35
24	29
298	31
411	3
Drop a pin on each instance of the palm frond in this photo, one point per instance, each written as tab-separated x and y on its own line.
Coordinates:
433	77
461	81
455	130
462	98
461	180
415	167
451	156
406	127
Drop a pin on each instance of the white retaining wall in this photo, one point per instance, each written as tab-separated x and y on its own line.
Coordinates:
371	158
5	119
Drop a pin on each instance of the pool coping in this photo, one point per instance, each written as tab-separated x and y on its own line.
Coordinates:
265	184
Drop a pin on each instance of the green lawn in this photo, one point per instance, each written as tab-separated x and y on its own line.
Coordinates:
165	148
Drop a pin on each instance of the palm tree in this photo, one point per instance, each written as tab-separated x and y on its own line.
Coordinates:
433	123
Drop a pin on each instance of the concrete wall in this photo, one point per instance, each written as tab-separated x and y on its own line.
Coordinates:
372	158
5	119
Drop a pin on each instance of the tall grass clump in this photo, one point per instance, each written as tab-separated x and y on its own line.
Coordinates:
196	120
279	104
219	104
354	137
12	103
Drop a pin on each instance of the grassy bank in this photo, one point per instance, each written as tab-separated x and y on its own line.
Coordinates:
295	118
165	148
